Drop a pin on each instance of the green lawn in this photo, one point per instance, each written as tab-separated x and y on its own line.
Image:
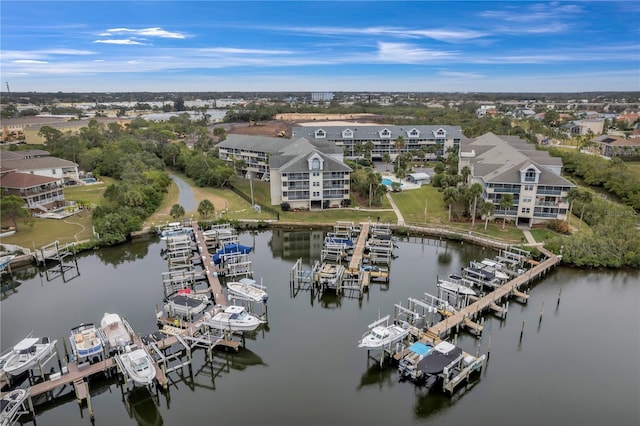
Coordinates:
35	233
412	204
89	193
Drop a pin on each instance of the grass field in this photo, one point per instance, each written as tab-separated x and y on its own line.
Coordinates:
413	203
634	166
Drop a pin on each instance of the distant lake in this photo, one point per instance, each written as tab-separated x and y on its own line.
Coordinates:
578	366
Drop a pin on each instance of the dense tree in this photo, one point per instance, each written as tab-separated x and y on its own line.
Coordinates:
475	191
13	207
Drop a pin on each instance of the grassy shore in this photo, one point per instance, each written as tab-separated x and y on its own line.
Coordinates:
422	207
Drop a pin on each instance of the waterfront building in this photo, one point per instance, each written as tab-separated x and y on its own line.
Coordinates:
508	164
431	141
304	175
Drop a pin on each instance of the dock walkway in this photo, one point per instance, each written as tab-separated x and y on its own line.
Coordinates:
460	317
358	249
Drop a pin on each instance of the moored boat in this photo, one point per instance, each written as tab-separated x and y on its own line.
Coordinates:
330	275
138	365
234	318
116	333
382	334
28	353
86	341
186	303
248	289
10	405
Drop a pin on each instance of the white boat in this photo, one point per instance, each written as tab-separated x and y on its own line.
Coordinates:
28	353
330	275
86	341
234	318
186	303
138	366
7	231
455	288
116	333
248	289
10	405
382	334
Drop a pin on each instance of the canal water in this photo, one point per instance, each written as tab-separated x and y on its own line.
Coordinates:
579	365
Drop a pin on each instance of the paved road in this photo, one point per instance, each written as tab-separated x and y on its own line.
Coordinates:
186	197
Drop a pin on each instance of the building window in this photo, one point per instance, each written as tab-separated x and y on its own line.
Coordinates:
526	210
316	183
316	173
53	171
315	164
530	175
528	187
527	199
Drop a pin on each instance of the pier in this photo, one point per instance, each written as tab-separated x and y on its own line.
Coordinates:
466	315
358	249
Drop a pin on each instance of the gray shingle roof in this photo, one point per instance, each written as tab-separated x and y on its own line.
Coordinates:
37	163
364	132
499	159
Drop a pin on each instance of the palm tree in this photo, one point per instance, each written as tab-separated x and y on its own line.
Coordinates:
574	193
505	203
475	191
177	211
465	173
450	195
585	198
399	144
205	208
487	208
373	178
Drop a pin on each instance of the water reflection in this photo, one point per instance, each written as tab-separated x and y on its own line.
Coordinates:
124	253
377	376
142	406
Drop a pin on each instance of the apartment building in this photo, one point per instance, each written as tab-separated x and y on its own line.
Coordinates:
508	164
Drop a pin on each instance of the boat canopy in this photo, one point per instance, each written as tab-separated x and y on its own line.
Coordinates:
233	248
420	348
26	343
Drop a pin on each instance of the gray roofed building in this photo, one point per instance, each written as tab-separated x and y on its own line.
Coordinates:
352	138
304	175
507	164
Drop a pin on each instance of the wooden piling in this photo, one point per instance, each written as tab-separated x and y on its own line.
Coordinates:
559	294
522	330
541	312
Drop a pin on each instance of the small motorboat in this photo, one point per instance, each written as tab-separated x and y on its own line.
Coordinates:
138	365
28	353
330	275
233	318
85	341
116	332
382	334
248	289
10	405
186	303
455	288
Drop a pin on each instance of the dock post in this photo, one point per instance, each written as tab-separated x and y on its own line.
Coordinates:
559	294
541	312
489	347
522	330
86	385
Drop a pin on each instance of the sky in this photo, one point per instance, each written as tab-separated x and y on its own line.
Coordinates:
325	46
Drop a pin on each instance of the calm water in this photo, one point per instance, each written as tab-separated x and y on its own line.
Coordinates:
579	366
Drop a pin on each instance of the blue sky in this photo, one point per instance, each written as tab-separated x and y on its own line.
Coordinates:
420	46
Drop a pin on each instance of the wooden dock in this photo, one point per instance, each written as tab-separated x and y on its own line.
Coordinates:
211	271
464	316
358	249
72	376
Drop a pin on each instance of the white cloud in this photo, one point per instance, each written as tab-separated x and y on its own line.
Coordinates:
409	54
126	41
148	32
29	61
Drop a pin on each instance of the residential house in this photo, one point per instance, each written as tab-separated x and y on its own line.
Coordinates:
304	175
426	141
510	165
40	193
52	167
584	127
616	146
419	178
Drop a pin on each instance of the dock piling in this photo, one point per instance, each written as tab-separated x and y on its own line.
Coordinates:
522	330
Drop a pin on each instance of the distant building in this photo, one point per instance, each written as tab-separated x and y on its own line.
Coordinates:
615	146
40	193
510	165
385	139
47	166
321	96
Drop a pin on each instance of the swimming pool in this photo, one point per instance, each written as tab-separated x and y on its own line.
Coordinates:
89	180
388	182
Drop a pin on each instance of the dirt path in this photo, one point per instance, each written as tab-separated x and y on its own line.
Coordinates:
82	228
